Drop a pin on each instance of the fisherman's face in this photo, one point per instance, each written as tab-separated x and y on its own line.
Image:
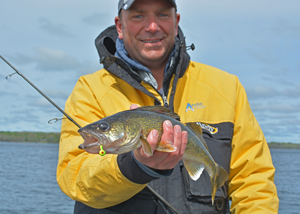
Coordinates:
149	28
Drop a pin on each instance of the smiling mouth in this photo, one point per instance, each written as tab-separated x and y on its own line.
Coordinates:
154	41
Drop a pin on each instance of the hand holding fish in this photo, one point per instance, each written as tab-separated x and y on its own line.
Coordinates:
163	160
160	148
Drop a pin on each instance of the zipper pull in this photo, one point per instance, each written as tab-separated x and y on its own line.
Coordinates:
166	104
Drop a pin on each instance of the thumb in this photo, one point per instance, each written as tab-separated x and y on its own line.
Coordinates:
134	106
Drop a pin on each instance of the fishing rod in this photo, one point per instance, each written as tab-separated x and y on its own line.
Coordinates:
63	112
56	106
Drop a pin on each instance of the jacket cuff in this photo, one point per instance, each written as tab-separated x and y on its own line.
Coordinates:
136	172
154	173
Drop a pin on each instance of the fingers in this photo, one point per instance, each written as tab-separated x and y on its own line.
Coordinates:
184	141
177	139
133	106
153	139
158	157
139	153
180	141
164	160
168	132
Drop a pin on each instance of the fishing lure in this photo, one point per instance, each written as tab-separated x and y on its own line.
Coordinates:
102	152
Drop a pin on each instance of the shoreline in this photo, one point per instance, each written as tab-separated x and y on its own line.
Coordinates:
53	137
30	137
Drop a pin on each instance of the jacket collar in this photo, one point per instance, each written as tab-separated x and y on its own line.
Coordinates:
106	47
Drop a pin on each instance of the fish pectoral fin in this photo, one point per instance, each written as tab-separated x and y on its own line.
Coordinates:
166	146
218	180
222	176
193	168
146	146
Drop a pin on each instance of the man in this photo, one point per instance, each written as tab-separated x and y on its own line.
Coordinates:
146	63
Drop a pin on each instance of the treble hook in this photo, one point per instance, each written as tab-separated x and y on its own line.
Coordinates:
9	76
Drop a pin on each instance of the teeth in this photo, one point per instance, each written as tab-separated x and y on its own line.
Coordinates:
151	41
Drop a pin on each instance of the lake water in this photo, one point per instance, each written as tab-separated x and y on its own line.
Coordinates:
28	181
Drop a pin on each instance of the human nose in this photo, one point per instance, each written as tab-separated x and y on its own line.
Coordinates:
152	25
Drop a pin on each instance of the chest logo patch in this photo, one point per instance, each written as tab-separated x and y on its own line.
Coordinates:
193	107
209	128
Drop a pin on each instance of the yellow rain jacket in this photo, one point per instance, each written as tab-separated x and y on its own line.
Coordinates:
197	93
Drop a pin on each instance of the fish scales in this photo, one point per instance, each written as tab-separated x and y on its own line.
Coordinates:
128	130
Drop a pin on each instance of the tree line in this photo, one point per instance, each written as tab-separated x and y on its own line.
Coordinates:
53	137
36	137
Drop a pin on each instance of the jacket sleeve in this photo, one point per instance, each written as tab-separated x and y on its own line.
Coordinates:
92	179
251	178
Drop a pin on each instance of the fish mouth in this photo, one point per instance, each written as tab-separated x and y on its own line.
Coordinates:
91	143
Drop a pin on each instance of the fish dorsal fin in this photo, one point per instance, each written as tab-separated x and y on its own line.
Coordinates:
197	130
160	110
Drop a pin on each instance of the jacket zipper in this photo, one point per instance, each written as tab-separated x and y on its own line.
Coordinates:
164	97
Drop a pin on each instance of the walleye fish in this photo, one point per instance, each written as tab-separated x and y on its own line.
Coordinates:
128	130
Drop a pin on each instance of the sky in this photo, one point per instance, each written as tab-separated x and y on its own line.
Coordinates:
52	44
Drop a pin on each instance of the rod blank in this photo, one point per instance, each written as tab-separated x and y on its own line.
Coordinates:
44	95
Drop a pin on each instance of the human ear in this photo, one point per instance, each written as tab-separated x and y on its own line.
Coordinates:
118	24
177	22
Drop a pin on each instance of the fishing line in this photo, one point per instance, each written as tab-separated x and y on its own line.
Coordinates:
8	77
55	119
56	106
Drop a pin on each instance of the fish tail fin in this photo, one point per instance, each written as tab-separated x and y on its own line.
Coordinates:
218	180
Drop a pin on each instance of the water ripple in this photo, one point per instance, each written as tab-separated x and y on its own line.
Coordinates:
28	179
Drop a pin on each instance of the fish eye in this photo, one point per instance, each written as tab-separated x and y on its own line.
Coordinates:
104	126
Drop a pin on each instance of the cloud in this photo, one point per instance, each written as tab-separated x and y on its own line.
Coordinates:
10	94
90	67
56	29
286	27
41	102
42	105
53	93
96	19
47	59
21	115
280	107
3	93
264	91
2	76
28	120
280	127
265	52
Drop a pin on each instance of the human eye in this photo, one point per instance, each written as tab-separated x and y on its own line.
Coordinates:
137	16
163	15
